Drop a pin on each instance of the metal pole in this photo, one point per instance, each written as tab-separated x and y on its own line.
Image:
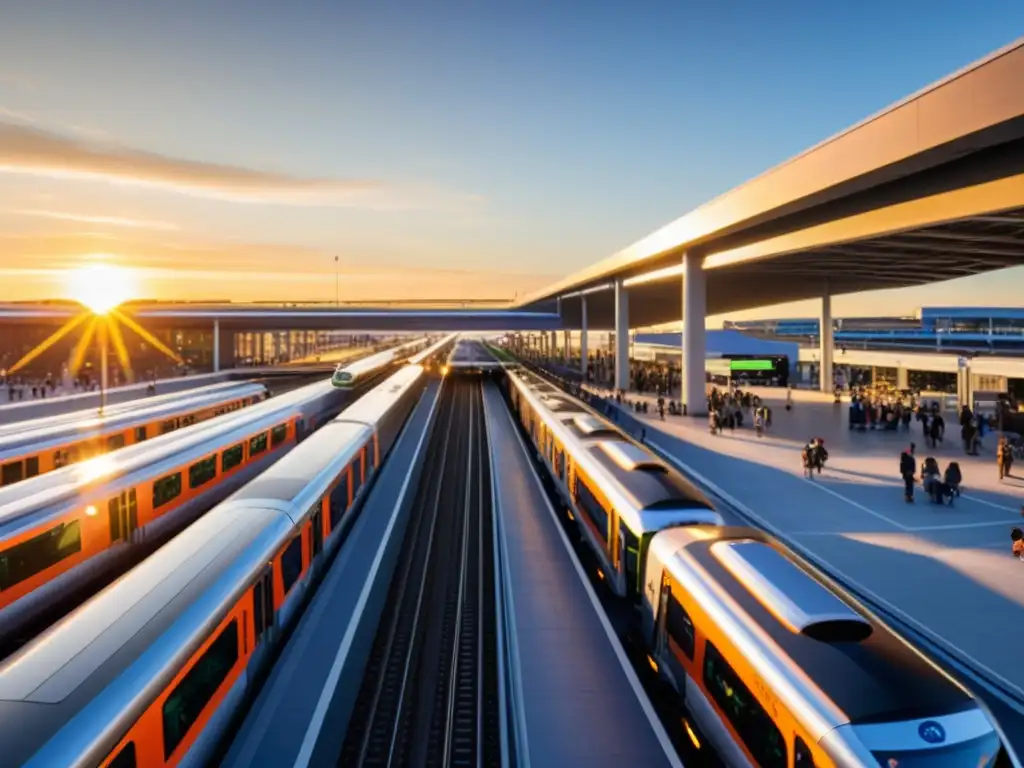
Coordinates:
103	363
337	295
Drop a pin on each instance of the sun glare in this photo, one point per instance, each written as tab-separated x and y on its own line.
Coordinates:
101	287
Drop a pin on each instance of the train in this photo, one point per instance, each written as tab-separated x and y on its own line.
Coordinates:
38	446
619	494
774	664
350	375
62	532
151	671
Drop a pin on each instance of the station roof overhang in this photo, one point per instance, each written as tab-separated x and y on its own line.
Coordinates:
254	318
928	190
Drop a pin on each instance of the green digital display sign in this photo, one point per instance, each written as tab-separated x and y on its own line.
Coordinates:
751	365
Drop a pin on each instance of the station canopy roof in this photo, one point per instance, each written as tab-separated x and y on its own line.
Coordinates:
930	189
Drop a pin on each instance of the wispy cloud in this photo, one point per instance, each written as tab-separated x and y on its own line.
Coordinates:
82	218
29	149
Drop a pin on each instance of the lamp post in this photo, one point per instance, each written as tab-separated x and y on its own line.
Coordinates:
337	301
103	362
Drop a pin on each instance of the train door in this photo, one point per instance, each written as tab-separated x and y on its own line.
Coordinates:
263	603
123	511
629	548
317	539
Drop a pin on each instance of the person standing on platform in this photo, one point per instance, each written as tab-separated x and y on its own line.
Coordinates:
1004	457
908	468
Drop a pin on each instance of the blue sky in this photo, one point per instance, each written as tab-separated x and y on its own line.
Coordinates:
448	148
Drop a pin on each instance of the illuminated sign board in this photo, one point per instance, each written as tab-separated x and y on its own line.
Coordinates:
751	365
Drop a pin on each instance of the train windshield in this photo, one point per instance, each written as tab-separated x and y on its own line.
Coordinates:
976	753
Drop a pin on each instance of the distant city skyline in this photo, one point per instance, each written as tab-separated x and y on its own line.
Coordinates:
446	151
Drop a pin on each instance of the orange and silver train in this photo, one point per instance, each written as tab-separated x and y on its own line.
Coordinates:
619	494
61	532
152	669
776	667
38	446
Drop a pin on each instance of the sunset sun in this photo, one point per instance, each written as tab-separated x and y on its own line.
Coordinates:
101	287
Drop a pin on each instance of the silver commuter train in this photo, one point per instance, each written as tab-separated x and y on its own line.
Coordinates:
150	671
18	437
777	668
61	532
348	375
619	493
88	415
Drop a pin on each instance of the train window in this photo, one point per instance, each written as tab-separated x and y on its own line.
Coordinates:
140	434
168	426
339	501
12	472
759	733
60	459
278	434
202	472
802	757
231	458
679	626
125	758
258	444
357	474
317	529
166	489
31	466
592	508
115	441
25	560
114	513
560	463
291	564
370	454
189	698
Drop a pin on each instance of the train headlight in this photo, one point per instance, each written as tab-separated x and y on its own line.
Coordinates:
444	370
91	510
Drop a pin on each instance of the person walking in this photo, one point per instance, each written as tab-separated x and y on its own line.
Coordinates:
908	468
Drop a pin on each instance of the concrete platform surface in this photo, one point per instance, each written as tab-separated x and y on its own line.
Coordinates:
579	701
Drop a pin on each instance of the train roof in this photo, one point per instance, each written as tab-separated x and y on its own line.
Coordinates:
304	474
57	433
653	485
138	404
21	500
827	660
375	361
433	349
369	408
647	494
131	638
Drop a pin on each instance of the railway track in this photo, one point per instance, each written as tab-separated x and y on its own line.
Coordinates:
429	696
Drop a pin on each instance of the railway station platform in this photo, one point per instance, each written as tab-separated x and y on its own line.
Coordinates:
579	701
946	571
470	354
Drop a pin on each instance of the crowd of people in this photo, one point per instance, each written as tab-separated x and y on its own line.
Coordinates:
21	388
727	410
